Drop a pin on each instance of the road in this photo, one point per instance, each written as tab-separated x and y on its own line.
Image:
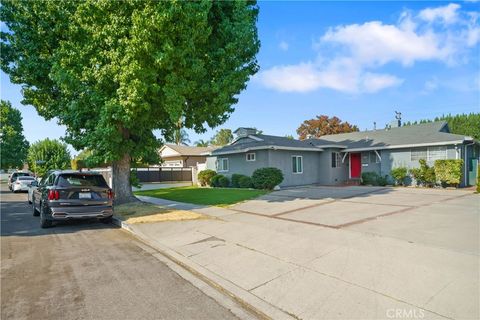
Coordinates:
87	270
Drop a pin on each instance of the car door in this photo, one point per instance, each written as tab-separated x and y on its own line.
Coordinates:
38	192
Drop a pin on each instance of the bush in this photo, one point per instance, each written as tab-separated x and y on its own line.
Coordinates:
244	182
449	172
478	178
369	178
236	180
205	176
381	181
425	175
223	182
267	178
399	175
215	180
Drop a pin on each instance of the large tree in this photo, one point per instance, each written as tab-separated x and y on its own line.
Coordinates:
465	124
47	155
13	144
113	72
222	137
323	125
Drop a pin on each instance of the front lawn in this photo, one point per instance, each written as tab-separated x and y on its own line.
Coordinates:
204	196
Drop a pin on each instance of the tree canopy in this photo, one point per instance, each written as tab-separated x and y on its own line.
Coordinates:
323	125
222	137
113	72
47	155
13	144
465	124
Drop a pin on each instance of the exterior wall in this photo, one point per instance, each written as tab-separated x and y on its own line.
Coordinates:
237	163
282	159
192	161
183	161
328	175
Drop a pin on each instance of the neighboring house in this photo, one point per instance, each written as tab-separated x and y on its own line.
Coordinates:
340	158
179	156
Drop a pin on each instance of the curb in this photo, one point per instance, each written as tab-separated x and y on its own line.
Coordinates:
254	306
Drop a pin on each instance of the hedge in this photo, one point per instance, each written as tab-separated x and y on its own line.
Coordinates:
399	175
267	178
372	178
215	181
223	182
425	175
205	176
244	182
236	180
449	172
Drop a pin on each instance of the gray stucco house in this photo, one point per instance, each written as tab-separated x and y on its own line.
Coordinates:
341	158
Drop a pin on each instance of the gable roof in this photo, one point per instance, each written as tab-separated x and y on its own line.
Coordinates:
433	133
262	141
187	150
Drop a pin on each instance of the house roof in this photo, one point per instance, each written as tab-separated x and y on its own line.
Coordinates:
427	134
187	150
262	141
433	133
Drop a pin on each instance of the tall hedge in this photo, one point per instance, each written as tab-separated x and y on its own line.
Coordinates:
449	172
267	178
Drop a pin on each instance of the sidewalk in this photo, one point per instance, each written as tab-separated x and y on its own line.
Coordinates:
291	270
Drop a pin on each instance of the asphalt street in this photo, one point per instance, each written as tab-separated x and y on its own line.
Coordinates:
87	270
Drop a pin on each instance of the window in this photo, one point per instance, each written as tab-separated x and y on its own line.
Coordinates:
82	180
374	157
437	153
365	157
417	154
336	160
251	156
297	164
223	164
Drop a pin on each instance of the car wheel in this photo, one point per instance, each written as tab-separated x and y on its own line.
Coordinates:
34	210
44	222
106	220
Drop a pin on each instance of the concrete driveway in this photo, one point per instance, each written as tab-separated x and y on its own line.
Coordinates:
342	252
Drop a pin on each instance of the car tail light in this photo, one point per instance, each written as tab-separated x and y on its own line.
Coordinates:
53	195
110	194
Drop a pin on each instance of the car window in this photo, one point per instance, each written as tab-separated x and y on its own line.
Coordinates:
50	180
81	180
26	178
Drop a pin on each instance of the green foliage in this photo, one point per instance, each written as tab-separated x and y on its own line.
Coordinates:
13	145
245	182
465	124
215	181
369	178
478	179
77	164
134	181
224	182
323	125
449	172
425	175
235	179
267	178
47	155
113	72
205	176
382	181
202	143
399	174
222	137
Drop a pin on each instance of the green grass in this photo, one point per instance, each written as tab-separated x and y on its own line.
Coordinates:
204	196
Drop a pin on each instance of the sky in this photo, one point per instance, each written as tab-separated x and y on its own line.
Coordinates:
359	61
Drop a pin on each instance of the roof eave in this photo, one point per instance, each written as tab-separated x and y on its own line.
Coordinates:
414	145
272	147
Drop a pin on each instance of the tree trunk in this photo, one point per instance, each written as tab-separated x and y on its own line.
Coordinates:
121	180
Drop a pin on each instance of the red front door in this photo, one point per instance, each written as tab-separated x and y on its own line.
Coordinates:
355	165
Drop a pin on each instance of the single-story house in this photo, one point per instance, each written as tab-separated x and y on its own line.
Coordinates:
340	158
181	156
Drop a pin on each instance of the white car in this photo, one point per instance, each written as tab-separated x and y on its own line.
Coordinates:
22	183
32	187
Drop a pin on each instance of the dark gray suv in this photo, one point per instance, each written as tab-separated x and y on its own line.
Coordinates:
65	195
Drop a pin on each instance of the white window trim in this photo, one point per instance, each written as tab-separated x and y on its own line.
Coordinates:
296	157
338	160
220	161
428	157
251	153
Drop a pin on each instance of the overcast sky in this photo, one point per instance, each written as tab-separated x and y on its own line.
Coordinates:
358	61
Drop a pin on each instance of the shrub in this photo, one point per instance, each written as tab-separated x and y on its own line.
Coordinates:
223	182
236	180
381	181
478	178
449	172
244	182
267	178
205	176
215	180
369	178
399	175
425	175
